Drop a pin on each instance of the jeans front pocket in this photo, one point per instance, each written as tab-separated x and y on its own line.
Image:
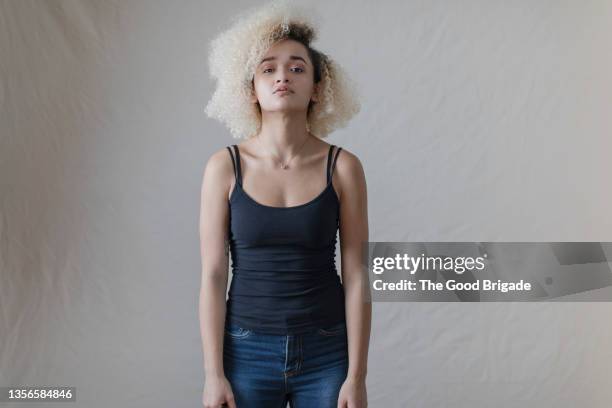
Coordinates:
332	330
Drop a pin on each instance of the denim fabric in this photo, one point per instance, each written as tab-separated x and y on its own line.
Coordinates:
267	371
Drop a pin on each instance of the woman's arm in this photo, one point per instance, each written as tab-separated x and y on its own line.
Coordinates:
353	236
214	216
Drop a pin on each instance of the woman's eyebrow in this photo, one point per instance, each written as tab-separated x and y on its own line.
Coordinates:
292	57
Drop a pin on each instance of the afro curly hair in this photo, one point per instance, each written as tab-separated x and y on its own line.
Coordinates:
234	56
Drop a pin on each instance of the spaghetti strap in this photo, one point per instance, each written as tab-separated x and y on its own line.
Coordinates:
238	168
236	163
333	165
233	161
329	155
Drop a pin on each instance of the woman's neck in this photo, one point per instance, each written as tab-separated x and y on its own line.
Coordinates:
283	133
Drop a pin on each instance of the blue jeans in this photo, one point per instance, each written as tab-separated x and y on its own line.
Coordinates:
267	371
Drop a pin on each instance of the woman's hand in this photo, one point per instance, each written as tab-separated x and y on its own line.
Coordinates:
217	393
353	394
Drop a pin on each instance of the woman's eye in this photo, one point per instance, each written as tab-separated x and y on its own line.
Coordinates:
265	71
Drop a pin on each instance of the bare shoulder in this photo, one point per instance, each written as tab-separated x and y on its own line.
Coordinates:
350	173
219	171
220	160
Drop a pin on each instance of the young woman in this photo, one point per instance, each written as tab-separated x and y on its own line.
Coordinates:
290	330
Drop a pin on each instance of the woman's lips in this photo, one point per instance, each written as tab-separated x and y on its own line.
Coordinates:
283	92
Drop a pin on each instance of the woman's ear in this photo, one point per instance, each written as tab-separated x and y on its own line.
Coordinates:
253	96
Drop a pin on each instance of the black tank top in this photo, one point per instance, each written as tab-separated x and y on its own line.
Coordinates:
283	261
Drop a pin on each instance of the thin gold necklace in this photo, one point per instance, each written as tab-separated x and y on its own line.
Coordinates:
285	166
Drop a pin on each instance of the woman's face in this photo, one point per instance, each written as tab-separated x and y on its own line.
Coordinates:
286	64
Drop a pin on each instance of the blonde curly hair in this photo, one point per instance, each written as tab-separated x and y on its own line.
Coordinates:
236	52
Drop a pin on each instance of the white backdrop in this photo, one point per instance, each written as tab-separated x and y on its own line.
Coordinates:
481	121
